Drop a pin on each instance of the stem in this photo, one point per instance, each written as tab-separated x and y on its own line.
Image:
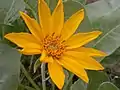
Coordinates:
38	76
43	76
31	61
26	87
3	32
28	77
68	82
53	86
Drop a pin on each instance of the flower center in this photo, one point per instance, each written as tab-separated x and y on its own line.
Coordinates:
53	46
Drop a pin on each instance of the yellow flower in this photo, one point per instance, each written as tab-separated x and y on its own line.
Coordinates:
54	40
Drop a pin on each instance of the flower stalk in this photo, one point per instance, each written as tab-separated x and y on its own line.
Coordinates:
43	76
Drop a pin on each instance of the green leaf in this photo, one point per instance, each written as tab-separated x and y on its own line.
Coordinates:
3	29
2	15
52	4
71	7
32	3
112	64
17	26
37	64
9	68
78	85
106	14
81	1
9	10
13	13
96	78
5	4
4	7
112	60
31	8
107	86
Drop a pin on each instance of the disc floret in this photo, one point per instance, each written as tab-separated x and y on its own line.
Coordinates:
53	46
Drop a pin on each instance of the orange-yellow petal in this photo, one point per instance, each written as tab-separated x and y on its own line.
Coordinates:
24	40
85	61
72	24
43	55
45	17
56	73
58	18
45	58
90	51
33	26
30	51
74	67
81	39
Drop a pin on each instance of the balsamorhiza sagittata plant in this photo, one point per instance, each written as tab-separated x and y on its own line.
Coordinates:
54	40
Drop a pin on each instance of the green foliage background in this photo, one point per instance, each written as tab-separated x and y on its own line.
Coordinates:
103	15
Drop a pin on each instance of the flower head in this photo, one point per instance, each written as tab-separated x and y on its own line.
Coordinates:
54	40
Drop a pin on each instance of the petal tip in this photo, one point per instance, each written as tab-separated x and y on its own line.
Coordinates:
86	80
59	2
82	10
7	35
102	68
80	13
104	54
20	50
98	32
41	1
21	13
60	86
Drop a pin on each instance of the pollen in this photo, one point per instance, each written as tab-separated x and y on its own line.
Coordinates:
53	46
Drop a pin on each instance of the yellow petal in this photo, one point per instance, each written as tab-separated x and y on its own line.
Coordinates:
81	39
56	73
85	61
30	51
58	18
90	51
23	40
45	58
74	67
43	55
72	24
45	17
33	26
